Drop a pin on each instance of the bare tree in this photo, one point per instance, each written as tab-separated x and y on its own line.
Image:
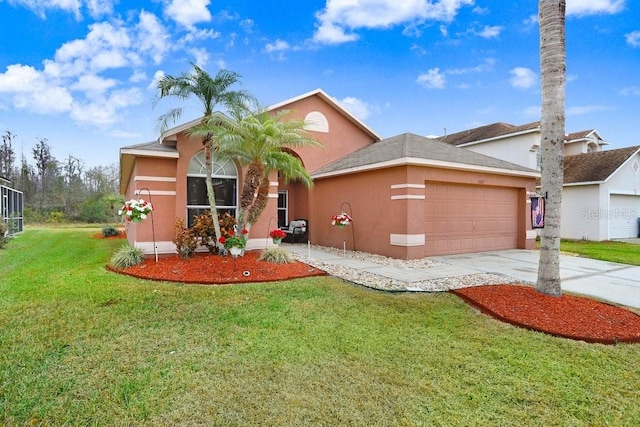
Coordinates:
552	131
7	155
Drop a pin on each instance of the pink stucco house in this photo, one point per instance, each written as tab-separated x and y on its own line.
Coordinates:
410	196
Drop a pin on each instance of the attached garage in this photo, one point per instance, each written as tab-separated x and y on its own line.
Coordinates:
470	218
624	211
414	197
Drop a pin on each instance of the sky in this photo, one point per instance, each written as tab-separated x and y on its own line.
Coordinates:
82	73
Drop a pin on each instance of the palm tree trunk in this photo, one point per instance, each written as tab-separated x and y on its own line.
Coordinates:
211	196
552	132
260	203
252	180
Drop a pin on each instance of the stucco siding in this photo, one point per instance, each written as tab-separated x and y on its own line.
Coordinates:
520	149
583	214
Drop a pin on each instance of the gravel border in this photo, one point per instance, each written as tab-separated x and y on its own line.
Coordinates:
375	281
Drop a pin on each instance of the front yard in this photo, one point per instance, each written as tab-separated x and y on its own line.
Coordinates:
84	346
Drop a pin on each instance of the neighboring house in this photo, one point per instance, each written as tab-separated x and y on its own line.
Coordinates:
410	196
601	195
520	144
11	206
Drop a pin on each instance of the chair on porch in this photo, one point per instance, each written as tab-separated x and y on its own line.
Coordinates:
297	231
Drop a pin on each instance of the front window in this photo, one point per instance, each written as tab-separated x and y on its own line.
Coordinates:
225	186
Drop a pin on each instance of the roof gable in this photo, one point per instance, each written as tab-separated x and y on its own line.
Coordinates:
408	147
597	166
488	132
333	103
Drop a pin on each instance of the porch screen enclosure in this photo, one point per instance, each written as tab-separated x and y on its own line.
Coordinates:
12	208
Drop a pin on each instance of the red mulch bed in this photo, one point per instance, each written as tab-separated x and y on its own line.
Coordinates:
567	316
121	235
214	269
573	317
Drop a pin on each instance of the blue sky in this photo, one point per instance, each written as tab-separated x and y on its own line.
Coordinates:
82	73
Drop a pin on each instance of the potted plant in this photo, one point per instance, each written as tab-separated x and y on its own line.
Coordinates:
236	243
135	210
277	235
341	220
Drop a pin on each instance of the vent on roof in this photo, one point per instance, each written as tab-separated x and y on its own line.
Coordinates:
635	167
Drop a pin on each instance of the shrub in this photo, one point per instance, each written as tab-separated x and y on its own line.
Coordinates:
109	231
276	255
4	234
127	256
185	240
204	231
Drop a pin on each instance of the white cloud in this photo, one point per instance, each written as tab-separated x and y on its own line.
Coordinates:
106	110
487	65
157	76
277	46
523	78
356	106
631	90
152	37
594	7
432	79
200	56
39	7
586	109
338	20
490	31
633	38
188	12
99	8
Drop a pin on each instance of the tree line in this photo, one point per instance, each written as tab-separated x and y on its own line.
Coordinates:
60	190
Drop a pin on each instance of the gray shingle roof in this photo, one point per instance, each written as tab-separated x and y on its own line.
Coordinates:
481	133
413	146
595	167
153	146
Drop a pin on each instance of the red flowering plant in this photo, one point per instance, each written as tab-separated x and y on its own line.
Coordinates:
135	210
277	234
238	240
341	220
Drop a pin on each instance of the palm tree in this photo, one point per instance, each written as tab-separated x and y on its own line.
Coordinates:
260	141
552	132
211	91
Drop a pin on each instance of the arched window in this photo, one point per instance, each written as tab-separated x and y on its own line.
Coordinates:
225	186
316	121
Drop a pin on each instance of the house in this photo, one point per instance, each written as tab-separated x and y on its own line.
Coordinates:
11	206
601	195
600	192
520	144
410	196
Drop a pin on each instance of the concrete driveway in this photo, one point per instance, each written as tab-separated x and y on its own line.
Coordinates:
618	283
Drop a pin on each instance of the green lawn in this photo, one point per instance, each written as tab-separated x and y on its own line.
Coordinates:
83	346
625	253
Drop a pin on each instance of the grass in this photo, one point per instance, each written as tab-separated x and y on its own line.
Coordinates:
625	253
84	346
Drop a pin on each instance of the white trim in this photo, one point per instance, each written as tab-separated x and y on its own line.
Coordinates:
163	247
495	138
408	197
406	161
149	153
155	178
398	186
273	183
156	193
407	239
273	196
576	184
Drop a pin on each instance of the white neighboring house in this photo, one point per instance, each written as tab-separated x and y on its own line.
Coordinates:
601	194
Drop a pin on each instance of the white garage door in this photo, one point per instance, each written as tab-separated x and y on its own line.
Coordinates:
623	216
470	218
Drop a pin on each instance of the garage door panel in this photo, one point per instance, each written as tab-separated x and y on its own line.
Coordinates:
623	213
469	218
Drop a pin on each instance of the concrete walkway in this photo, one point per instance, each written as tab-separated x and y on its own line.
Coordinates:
617	283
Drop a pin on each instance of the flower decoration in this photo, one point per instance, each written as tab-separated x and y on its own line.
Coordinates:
238	240
341	220
277	234
135	210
